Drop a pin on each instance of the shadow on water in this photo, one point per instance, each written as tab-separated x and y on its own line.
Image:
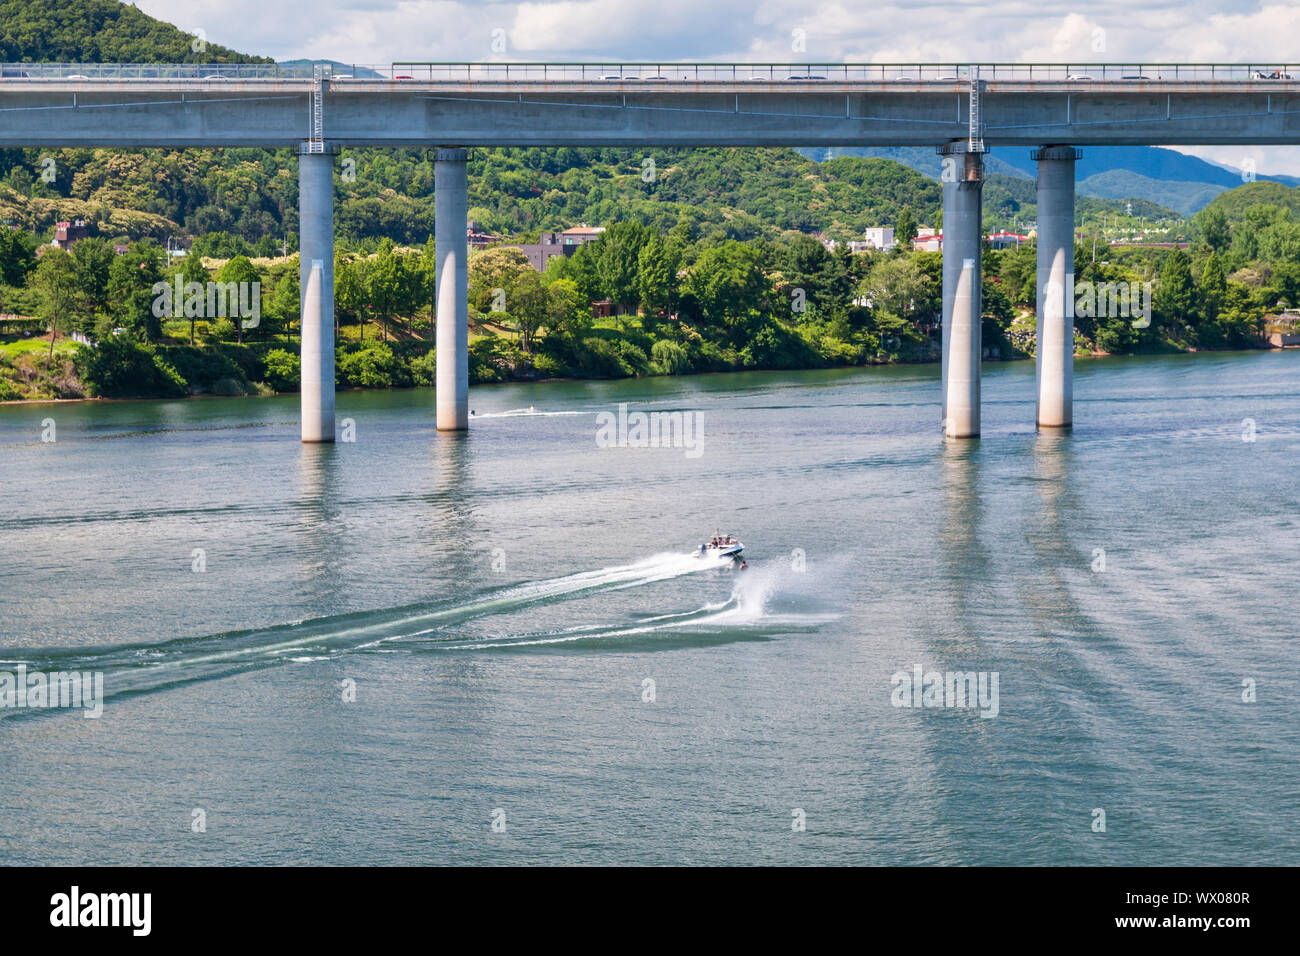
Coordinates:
1046	594
994	594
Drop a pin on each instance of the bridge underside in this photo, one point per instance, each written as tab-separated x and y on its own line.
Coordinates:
274	113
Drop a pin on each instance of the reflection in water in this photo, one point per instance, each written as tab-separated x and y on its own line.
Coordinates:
316	526
450	522
964	560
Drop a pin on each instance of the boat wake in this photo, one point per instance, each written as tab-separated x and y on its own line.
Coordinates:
527	412
132	669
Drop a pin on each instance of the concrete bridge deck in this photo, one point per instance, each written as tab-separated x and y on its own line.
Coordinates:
681	105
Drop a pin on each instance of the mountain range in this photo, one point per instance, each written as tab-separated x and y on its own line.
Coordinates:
1163	176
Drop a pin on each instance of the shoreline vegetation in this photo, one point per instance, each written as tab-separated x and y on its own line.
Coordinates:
634	302
265	392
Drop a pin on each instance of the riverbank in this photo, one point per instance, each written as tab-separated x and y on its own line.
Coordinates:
225	371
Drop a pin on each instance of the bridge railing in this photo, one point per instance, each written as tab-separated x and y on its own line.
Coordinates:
152	71
461	73
843	72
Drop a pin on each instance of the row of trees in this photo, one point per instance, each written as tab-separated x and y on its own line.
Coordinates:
93	290
683	301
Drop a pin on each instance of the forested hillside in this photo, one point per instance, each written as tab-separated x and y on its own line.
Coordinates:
98	31
252	193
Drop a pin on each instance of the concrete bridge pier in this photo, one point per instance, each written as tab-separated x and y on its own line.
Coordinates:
451	208
963	240
1055	361
316	284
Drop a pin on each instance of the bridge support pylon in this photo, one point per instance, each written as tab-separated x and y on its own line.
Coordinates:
1055	359
316	285
451	205
963	183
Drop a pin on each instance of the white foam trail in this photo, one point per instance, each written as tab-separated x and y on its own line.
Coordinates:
659	567
525	412
746	608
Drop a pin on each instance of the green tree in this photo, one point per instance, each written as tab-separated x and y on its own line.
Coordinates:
618	254
350	288
1176	294
902	296
131	281
528	307
386	284
192	270
580	268
1213	287
92	261
656	275
905	230
1212	225
425	279
669	357
493	274
728	285
285	306
243	274
568	311
16	257
56	288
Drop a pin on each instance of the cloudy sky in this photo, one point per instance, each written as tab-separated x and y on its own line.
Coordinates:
381	31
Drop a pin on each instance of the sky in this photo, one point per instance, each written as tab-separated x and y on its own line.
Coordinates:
832	31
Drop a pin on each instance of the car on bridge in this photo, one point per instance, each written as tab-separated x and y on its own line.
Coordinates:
1275	75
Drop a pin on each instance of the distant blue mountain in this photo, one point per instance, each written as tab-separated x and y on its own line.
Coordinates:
1165	176
1153	162
337	68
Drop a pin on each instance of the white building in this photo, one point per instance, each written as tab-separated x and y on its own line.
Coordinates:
879	237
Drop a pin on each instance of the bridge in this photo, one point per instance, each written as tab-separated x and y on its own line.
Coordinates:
960	109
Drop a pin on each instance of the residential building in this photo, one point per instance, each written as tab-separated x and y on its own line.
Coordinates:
877	237
66	233
927	240
552	244
476	238
1006	240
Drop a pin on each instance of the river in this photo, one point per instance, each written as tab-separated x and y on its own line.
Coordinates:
424	648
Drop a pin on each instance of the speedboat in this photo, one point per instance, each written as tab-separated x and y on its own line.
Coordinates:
720	546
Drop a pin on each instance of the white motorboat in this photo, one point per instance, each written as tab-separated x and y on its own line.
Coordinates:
720	546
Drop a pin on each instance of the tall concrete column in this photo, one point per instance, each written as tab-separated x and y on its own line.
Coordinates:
963	236
451	207
1055	361
316	284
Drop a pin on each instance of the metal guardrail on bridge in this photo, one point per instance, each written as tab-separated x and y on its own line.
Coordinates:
655	71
